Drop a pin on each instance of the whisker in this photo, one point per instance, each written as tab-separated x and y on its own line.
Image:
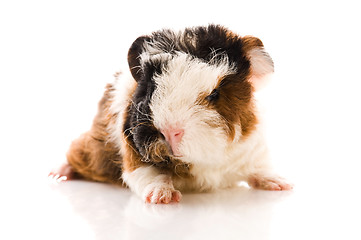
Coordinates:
137	108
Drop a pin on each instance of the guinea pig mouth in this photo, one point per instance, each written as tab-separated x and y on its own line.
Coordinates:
159	154
158	151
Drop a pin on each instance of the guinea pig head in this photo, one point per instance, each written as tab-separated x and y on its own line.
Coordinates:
194	92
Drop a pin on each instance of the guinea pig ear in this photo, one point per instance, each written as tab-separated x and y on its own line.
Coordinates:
261	62
134	53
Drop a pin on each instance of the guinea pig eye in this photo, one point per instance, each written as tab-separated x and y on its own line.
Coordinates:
213	96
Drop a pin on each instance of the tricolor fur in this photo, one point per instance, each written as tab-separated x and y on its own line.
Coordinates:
183	119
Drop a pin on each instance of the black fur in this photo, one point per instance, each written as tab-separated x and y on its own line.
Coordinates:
139	120
133	57
211	44
215	39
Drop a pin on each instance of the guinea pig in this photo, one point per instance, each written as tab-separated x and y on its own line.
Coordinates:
183	118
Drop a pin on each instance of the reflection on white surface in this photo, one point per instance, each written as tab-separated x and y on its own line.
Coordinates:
87	210
115	213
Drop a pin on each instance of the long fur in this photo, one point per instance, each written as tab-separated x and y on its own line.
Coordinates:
201	81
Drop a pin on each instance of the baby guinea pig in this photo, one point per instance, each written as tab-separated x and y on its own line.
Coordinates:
183	118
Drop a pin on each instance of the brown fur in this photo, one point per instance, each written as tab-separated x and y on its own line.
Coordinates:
236	105
131	158
250	42
236	102
92	155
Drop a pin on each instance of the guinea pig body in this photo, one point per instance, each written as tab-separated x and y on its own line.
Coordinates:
183	119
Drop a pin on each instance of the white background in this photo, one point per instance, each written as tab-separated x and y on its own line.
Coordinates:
57	56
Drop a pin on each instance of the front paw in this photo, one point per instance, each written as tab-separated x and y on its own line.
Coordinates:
162	195
266	182
161	192
152	186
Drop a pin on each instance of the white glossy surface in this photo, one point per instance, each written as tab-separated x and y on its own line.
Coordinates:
55	59
84	210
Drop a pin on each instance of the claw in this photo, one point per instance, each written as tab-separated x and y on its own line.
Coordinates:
163	195
63	173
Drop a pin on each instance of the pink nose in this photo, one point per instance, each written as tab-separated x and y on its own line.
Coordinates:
173	136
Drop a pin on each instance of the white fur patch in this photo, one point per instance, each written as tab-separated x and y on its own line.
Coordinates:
154	51
240	159
119	101
174	103
152	186
140	178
